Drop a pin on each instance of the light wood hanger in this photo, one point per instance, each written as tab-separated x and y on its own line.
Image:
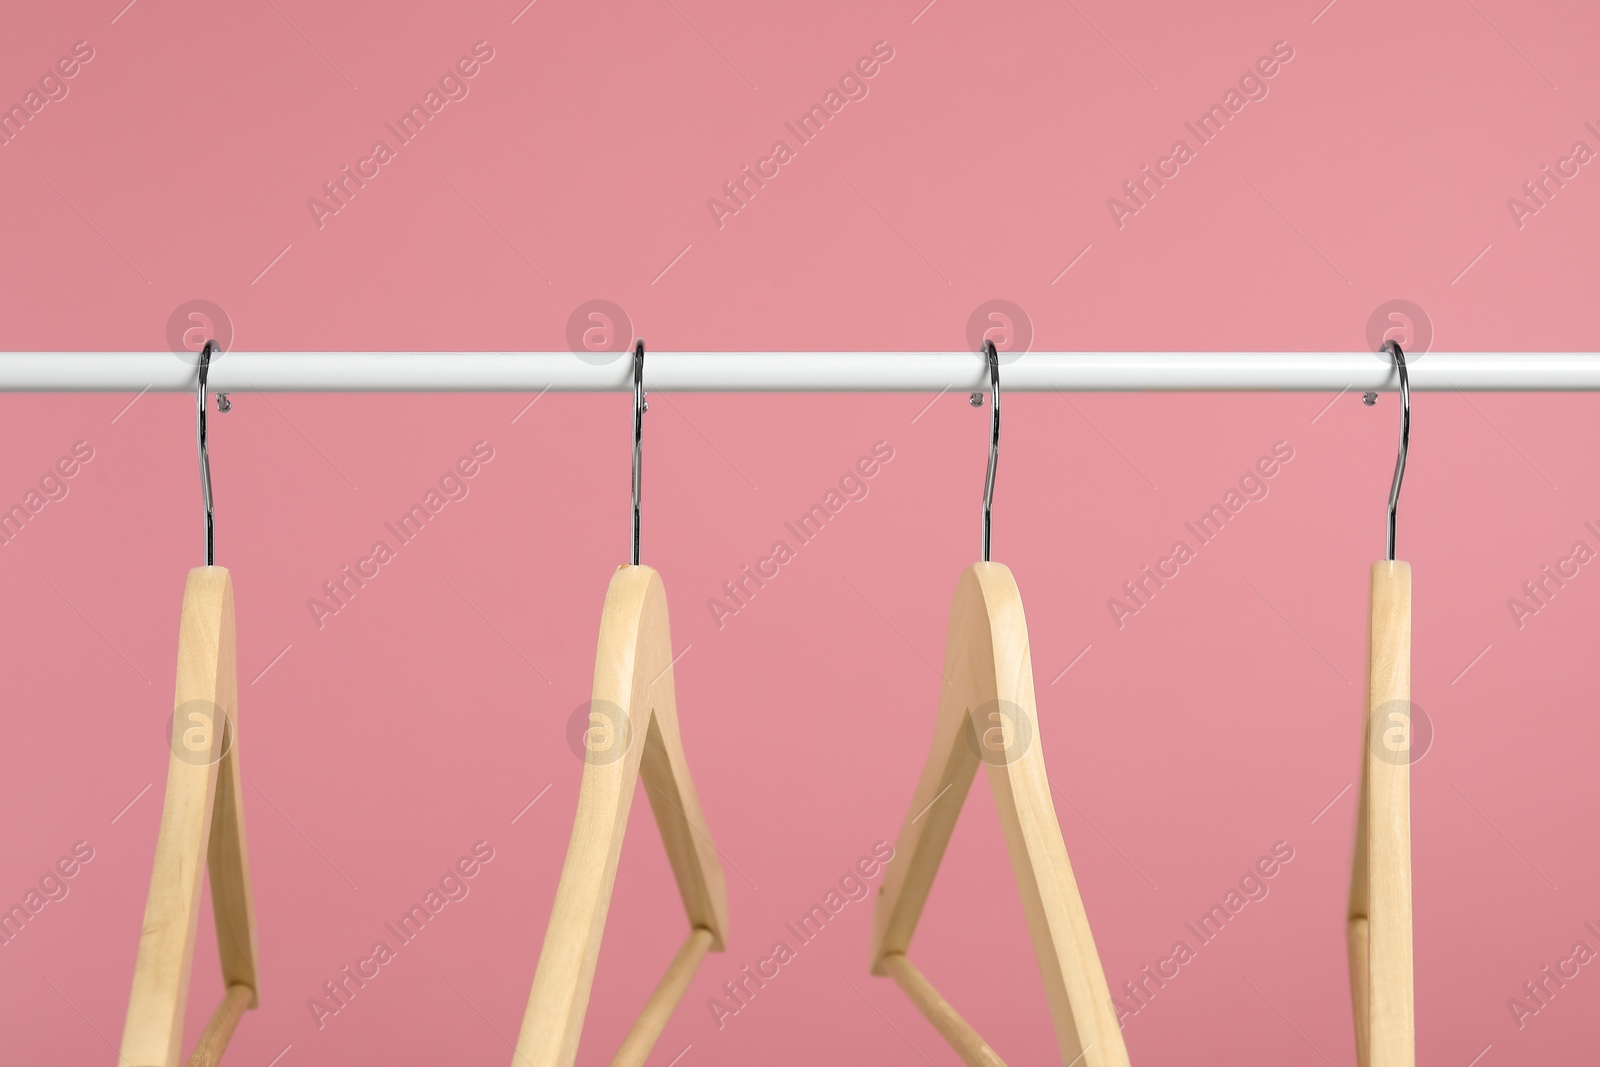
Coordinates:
634	700
1379	930
987	714
202	828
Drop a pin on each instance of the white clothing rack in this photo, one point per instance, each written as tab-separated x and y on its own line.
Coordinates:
794	372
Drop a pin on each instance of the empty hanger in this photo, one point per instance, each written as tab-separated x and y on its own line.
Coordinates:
987	715
633	697
202	822
1379	928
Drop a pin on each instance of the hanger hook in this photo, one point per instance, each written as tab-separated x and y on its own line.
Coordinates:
205	452
639	408
1393	349
993	359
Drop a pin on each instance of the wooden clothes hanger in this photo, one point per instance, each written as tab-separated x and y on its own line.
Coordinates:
202	826
1379	930
635	703
987	715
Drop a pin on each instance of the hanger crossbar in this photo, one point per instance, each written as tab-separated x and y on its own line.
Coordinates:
794	372
663	1000
219	1029
967	1042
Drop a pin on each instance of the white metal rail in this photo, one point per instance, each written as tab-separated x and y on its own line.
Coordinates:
798	372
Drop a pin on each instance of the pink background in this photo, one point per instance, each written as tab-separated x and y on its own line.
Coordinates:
426	715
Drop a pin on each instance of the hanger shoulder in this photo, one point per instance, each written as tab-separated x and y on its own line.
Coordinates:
1380	914
227	856
946	776
668	784
634	707
202	826
1075	985
988	717
554	1019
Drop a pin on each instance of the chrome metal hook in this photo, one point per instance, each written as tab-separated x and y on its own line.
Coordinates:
1394	350
639	408
204	451
993	359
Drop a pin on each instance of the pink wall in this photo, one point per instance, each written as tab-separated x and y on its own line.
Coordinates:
423	717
